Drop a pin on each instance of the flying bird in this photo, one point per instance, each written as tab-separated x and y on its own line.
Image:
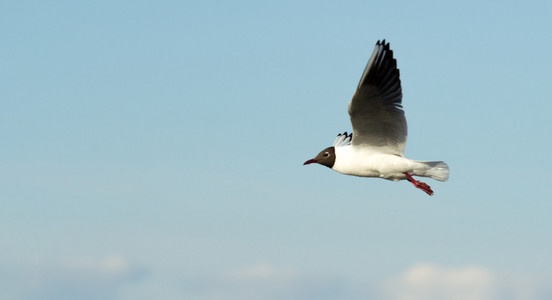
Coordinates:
376	146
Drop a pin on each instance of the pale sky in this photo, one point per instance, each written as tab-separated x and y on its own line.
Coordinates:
154	150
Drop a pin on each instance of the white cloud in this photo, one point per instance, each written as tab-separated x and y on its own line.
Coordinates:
74	278
472	282
110	265
116	277
260	271
428	281
269	281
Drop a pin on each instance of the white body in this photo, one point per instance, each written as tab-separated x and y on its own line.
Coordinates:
364	162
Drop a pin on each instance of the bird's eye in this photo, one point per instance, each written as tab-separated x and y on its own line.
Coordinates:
326	154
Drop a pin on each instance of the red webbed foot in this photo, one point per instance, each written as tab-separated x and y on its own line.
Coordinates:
418	184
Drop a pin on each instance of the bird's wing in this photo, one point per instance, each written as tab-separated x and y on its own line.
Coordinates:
375	110
343	139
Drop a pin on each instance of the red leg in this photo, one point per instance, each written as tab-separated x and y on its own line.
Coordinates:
422	186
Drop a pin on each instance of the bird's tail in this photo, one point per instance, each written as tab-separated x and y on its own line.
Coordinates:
437	170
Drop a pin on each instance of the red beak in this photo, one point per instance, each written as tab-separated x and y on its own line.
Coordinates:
310	161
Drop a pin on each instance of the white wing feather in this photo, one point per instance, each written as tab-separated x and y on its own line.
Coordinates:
342	139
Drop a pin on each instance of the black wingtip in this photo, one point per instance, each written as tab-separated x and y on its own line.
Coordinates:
382	43
347	135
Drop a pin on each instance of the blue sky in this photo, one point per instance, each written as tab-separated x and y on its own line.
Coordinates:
155	150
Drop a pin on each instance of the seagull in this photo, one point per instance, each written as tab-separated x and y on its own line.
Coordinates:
376	145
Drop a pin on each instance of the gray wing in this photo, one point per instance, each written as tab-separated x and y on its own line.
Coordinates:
375	110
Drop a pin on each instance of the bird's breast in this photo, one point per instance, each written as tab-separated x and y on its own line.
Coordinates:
365	163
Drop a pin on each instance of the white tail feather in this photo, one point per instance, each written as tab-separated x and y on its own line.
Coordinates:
437	170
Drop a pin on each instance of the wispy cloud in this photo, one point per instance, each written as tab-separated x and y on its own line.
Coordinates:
428	281
473	282
70	278
421	281
116	277
270	281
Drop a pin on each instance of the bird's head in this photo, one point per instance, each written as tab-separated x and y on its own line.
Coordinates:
326	158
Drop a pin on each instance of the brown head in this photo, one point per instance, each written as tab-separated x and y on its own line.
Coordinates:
326	158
